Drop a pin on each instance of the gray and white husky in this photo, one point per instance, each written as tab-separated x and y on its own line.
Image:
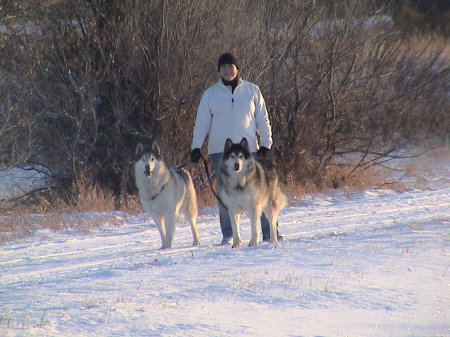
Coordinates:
165	193
251	186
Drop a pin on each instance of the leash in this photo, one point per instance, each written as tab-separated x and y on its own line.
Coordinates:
186	162
205	163
208	175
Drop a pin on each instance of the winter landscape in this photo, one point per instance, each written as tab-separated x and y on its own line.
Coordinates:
355	90
368	263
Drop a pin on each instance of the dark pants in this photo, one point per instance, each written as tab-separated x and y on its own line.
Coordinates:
225	222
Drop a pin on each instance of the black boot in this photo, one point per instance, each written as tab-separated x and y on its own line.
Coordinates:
266	236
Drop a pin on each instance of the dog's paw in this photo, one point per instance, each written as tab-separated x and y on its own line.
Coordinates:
253	243
196	243
237	244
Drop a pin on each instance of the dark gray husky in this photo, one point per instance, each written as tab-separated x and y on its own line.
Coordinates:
251	186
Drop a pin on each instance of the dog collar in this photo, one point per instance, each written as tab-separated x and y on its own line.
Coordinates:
156	195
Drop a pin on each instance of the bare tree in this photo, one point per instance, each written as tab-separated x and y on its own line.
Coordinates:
83	81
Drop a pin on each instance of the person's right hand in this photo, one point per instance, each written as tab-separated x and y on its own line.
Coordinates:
195	155
263	152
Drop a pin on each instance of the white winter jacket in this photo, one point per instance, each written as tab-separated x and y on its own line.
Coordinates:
223	114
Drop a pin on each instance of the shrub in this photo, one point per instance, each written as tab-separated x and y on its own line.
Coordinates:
83	81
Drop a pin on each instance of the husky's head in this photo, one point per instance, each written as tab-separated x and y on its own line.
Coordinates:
147	159
236	156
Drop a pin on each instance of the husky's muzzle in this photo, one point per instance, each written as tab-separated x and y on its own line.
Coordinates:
236	166
147	171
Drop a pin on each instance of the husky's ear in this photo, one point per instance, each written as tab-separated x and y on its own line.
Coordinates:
228	145
244	144
139	150
155	149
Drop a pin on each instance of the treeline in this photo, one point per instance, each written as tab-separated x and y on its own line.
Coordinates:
421	15
82	81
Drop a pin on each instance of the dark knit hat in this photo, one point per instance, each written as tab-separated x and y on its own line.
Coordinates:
227	58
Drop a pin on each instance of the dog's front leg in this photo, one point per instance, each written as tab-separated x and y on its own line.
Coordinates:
255	219
235	219
171	220
195	233
161	224
191	216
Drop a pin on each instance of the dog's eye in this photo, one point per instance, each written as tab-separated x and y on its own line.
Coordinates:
152	159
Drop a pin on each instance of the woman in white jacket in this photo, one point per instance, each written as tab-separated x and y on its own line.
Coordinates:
232	108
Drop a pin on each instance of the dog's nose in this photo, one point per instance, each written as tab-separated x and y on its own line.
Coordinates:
236	166
147	170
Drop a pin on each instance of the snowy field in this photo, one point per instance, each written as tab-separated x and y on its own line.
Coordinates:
373	263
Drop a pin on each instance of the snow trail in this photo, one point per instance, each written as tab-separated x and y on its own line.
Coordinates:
372	263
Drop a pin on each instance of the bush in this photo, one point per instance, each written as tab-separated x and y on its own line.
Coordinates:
83	81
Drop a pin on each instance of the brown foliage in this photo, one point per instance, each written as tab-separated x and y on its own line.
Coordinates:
83	81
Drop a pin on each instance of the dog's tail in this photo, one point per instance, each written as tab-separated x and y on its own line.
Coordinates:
190	202
281	200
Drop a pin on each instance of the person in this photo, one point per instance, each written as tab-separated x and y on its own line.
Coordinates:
232	108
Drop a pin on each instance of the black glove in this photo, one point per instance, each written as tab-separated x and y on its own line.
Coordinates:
195	155
263	152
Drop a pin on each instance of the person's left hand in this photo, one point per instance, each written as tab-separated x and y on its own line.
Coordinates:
263	152
195	155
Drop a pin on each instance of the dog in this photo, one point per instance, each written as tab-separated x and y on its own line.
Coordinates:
249	185
165	193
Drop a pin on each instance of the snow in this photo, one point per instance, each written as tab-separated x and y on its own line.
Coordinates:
18	181
370	263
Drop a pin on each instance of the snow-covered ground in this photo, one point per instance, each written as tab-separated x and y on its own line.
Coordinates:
373	263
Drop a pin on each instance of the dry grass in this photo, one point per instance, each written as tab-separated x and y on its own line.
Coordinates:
423	170
92	198
414	173
206	199
13	228
429	45
371	177
93	208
